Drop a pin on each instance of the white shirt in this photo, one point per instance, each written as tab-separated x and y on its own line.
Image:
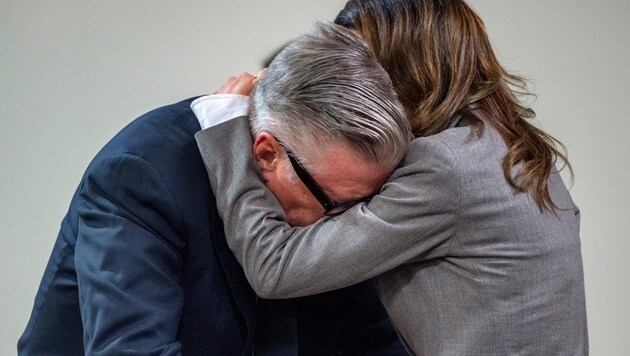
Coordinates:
214	109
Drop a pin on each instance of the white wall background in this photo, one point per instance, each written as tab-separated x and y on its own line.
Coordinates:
72	73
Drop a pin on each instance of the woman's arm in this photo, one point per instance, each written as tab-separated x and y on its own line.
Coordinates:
413	218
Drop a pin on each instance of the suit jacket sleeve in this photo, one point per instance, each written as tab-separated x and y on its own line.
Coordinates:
412	218
127	260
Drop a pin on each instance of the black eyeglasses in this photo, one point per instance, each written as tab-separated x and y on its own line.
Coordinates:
330	208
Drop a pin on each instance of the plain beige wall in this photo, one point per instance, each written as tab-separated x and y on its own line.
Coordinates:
73	73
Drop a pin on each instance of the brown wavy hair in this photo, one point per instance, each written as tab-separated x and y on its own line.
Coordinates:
439	57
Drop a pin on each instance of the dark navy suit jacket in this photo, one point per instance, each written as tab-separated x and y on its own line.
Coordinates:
141	266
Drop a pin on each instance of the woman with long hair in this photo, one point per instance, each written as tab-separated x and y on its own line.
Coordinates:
474	239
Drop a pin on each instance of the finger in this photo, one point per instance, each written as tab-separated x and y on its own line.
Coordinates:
243	85
259	76
246	77
230	82
222	89
227	86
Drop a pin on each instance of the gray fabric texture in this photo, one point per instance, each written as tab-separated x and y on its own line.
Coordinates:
466	266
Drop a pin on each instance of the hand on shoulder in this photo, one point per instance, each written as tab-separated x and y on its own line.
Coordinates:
242	85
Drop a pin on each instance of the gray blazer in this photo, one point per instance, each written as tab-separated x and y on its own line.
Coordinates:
466	266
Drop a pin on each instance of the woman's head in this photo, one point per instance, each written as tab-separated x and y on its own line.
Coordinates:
437	53
441	62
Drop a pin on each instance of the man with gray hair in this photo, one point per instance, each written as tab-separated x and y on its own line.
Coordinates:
327	101
141	265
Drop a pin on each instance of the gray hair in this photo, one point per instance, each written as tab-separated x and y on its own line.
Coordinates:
327	87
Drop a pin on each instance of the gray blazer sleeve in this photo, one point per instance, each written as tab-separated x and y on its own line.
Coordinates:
412	218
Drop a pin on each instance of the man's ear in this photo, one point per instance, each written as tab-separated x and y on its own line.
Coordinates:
266	151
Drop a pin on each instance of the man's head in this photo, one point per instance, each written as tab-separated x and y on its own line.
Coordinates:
328	126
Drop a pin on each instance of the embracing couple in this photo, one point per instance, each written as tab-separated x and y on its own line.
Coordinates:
378	190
